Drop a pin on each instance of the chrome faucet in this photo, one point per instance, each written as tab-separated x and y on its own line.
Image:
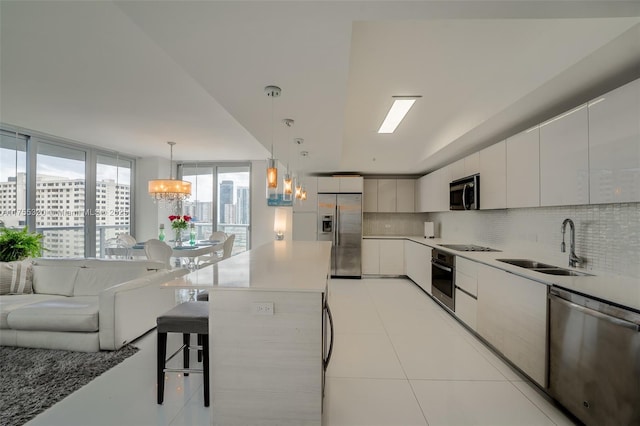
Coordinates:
573	259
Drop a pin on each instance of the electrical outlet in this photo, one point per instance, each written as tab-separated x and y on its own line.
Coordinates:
262	308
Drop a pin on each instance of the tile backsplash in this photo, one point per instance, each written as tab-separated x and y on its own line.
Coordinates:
607	235
406	224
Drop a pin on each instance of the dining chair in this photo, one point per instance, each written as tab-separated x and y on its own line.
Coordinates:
114	249
159	251
218	236
226	253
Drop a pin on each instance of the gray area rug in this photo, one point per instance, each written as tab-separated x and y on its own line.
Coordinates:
32	380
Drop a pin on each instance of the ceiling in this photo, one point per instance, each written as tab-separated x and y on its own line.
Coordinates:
129	76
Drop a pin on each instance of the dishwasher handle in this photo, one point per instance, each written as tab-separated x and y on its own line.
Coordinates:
617	321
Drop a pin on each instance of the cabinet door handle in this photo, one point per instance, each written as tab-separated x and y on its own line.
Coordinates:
328	358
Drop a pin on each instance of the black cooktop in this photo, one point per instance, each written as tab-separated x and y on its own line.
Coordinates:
467	247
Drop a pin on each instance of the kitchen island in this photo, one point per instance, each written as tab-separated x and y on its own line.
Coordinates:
267	333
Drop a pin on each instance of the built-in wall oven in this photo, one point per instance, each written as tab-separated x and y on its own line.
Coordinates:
443	278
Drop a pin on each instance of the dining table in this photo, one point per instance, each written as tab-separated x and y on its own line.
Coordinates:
184	255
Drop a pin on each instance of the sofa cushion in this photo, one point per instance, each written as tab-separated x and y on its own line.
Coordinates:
11	302
54	279
16	277
63	314
91	281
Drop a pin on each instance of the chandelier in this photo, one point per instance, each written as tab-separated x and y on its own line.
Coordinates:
169	190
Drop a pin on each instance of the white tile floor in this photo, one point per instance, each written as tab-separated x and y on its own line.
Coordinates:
399	360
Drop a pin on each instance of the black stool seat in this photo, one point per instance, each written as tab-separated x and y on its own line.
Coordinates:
186	318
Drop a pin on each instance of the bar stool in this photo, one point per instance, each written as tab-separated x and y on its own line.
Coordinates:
186	318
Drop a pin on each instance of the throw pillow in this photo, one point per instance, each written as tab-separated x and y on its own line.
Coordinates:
16	277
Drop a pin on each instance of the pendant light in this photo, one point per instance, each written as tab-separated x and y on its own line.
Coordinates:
287	181
298	186
272	169
303	190
169	190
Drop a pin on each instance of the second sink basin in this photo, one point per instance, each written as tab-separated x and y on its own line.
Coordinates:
560	271
526	263
543	268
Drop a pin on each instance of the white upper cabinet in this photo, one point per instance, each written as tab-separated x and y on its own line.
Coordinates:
614	146
338	184
405	195
472	164
564	159
423	193
328	184
493	177
351	184
370	195
442	189
311	203
457	170
523	169
387	195
469	165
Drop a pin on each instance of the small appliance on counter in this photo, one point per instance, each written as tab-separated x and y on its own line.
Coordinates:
428	230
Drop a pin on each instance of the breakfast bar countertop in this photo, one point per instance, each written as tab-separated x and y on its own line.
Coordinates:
276	266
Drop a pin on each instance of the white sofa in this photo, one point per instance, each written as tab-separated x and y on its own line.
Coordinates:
86	304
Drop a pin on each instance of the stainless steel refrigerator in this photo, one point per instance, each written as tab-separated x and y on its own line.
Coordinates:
340	221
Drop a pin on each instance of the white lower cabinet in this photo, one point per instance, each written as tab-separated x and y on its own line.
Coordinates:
466	308
417	264
370	257
512	316
382	257
466	291
391	257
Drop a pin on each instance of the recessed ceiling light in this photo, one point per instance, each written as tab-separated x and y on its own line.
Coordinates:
400	107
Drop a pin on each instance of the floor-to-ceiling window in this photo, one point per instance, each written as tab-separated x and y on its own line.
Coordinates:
60	199
75	195
220	200
13	188
113	198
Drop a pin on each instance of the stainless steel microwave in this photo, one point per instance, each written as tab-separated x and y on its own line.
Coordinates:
464	194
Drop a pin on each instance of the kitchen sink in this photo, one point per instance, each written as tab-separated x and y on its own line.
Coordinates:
560	271
543	268
526	263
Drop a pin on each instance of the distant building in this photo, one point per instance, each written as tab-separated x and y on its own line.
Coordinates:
226	198
61	213
242	195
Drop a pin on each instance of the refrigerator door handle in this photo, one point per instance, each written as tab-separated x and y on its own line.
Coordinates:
337	225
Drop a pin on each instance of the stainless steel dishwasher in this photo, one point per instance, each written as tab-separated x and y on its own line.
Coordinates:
594	359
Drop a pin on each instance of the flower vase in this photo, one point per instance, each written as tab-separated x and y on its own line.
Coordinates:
161	234
178	238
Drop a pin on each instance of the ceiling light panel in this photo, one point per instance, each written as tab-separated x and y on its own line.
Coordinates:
399	109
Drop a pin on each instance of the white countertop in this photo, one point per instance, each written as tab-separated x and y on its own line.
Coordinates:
624	291
276	266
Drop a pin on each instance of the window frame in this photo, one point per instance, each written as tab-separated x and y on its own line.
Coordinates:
33	141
